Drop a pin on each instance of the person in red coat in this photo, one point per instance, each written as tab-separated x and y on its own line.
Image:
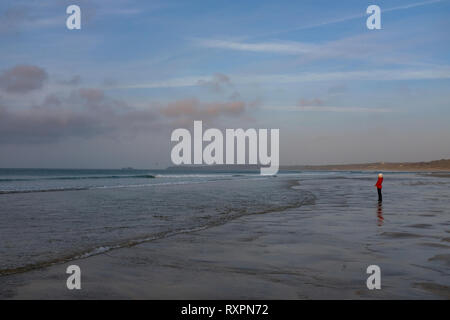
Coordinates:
379	186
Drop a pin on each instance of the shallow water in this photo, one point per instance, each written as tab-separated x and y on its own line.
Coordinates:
93	212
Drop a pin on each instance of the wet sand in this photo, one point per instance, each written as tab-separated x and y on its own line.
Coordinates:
271	256
252	257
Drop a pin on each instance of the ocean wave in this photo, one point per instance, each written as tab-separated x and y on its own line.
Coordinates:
137	176
43	190
120	186
146	176
199	175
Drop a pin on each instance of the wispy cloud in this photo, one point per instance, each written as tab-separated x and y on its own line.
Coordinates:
217	83
367	75
327	109
288	47
412	5
350	47
368	47
194	109
348	18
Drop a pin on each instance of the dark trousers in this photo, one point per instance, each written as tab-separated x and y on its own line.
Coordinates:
380	197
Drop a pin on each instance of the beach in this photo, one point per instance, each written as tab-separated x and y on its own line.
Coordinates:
239	151
318	248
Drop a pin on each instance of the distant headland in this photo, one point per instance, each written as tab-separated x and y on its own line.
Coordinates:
435	165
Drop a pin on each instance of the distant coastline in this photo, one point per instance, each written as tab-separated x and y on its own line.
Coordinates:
442	165
430	166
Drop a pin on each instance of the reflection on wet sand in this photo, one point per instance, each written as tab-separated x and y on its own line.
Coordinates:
380	214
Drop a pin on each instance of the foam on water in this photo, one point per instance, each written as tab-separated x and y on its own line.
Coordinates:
60	224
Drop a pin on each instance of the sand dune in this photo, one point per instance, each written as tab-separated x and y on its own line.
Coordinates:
436	165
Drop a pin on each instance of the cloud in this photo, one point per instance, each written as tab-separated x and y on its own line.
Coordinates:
39	125
73	81
442	72
366	46
318	105
313	102
22	79
321	108
288	47
235	96
82	113
91	95
95	99
412	5
372	46
349	18
88	113
217	83
52	100
47	125
195	110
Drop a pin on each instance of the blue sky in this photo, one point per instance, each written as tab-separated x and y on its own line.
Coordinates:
109	95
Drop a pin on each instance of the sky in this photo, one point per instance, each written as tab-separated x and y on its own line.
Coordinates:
110	94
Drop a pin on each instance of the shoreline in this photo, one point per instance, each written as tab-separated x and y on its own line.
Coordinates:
442	165
239	258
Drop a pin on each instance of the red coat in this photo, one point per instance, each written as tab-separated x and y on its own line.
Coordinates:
379	182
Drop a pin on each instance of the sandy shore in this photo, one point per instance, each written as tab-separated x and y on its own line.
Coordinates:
270	256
